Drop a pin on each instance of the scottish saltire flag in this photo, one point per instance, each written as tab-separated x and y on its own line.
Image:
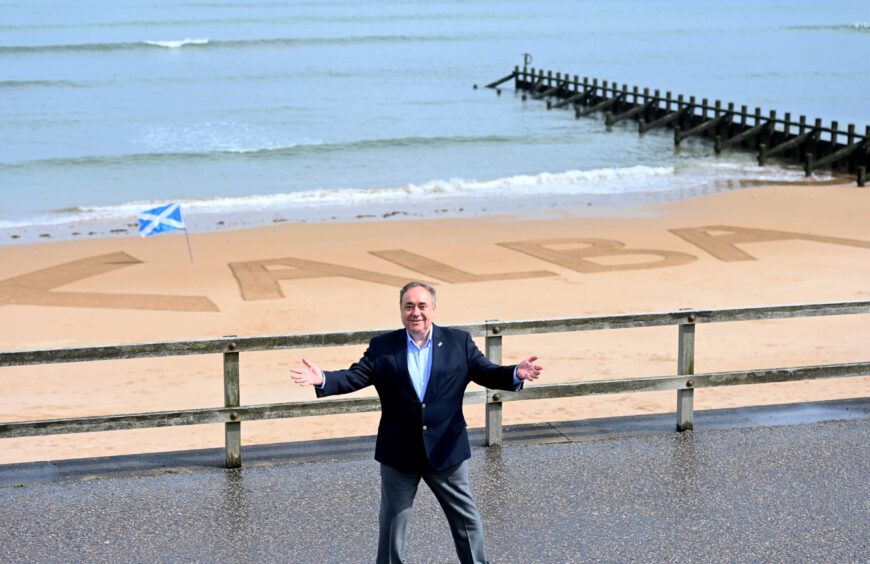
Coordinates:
159	220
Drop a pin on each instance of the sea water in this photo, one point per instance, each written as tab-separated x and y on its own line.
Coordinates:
253	112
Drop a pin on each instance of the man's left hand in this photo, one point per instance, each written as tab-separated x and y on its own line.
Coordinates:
528	370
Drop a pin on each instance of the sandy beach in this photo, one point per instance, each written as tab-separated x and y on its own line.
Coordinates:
752	247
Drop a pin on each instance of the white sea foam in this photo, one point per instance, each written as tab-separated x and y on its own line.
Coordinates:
570	182
177	43
690	176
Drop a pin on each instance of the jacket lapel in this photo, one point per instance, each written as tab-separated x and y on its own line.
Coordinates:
403	377
435	352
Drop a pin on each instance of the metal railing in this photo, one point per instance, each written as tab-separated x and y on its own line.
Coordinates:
232	414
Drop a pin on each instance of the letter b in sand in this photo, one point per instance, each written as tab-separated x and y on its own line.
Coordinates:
575	254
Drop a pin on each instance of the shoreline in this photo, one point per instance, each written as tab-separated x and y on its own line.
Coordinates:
448	206
804	244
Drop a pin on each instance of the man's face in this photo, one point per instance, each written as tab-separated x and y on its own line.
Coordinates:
418	310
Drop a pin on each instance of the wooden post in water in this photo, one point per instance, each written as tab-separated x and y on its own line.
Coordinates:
728	130
233	429
493	397
686	366
728	125
754	139
767	133
813	145
850	138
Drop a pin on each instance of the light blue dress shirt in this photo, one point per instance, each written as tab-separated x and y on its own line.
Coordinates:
420	365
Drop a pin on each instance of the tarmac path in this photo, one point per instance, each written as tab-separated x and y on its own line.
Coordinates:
786	493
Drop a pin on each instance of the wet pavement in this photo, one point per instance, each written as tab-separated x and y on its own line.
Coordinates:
746	485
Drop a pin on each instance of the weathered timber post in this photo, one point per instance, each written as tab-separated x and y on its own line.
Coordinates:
802	128
862	176
668	118
686	366
764	135
689	114
850	138
727	123
232	429
756	124
640	107
811	149
724	125
493	397
765	139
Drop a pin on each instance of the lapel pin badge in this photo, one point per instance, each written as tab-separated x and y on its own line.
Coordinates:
440	343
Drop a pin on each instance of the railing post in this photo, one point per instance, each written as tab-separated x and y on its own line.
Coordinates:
493	405
233	429
686	366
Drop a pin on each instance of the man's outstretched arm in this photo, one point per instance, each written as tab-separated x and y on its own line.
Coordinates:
328	383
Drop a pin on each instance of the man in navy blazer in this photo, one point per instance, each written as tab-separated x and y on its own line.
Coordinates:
420	373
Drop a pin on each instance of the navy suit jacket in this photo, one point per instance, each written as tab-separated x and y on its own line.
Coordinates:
415	435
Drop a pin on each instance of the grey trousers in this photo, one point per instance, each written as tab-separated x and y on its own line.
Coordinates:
453	491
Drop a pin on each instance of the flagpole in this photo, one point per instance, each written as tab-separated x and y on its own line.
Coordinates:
189	250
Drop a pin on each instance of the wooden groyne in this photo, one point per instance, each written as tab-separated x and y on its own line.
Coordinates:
810	144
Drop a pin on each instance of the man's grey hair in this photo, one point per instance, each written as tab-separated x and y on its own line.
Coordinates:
416	284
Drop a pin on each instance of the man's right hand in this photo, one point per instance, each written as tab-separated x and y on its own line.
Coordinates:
310	375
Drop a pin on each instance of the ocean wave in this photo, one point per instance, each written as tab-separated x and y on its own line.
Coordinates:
572	182
856	27
178	43
227	43
276	20
40	84
279	150
693	177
